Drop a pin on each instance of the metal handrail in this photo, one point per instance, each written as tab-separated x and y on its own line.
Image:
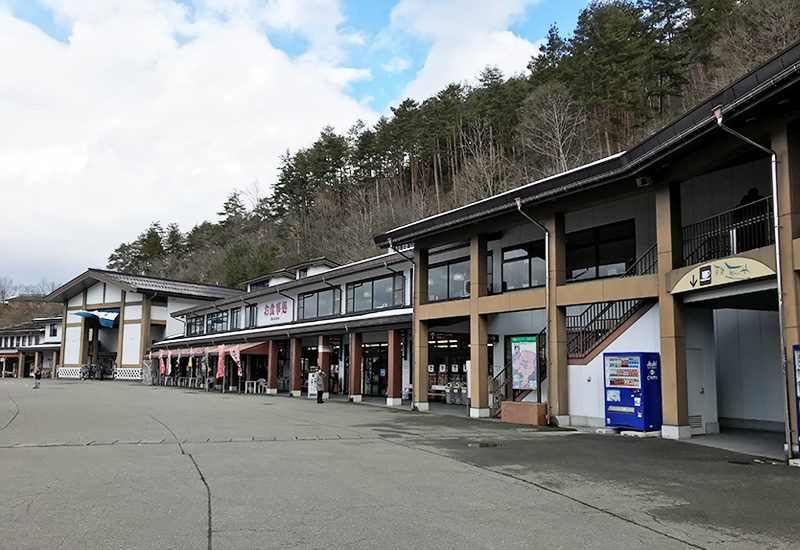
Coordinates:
736	230
646	264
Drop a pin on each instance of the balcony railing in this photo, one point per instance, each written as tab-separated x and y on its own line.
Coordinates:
597	321
743	228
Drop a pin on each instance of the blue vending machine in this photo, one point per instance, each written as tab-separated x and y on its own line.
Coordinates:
796	356
633	390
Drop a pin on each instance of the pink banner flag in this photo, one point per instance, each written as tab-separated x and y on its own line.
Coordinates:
161	369
237	358
169	362
220	361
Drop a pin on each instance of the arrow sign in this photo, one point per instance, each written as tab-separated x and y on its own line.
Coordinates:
693	282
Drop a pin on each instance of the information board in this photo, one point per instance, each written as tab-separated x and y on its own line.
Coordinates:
524	366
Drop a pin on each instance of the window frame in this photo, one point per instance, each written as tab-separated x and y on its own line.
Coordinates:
212	317
596	243
251	316
336	306
528	257
196	325
449	263
396	292
235	319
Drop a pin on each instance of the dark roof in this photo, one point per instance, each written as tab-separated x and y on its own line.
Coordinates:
143	284
389	258
21	328
287	271
772	77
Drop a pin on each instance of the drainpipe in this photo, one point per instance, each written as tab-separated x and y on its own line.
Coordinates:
781	314
518	201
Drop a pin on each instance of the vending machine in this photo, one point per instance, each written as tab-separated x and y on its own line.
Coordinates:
633	390
796	356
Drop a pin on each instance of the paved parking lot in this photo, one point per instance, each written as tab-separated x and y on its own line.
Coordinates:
116	465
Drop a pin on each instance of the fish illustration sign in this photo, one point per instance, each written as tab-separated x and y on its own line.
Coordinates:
721	272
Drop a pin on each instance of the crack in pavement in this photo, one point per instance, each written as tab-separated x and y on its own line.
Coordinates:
554	492
13	417
209	535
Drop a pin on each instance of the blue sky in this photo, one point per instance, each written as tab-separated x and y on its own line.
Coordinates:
155	110
370	20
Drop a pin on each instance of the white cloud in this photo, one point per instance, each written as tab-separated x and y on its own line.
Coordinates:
465	37
124	124
396	64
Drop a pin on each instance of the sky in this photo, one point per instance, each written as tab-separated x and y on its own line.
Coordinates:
118	113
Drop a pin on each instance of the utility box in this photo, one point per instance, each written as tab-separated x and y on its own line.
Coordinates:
633	391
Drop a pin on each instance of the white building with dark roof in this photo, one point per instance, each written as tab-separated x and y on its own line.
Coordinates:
112	318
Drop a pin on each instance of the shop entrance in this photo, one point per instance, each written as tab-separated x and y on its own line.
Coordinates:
734	381
374	364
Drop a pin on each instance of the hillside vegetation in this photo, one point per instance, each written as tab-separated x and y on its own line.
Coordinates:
626	69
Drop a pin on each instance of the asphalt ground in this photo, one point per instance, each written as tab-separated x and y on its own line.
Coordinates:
120	465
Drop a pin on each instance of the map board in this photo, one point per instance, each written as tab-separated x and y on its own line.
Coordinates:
524	362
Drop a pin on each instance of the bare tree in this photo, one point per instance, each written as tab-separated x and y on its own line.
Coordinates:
553	125
7	289
253	194
486	170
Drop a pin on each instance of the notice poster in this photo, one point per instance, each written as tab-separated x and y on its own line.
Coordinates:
524	362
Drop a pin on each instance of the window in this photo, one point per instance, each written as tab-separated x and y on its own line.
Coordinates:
448	281
523	266
53	330
194	326
489	272
323	303
375	294
217	322
18	341
24	341
251	316
302	273
600	252
236	318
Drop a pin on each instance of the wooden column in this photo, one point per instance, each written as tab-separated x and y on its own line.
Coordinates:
786	144
272	368
294	364
355	367
478	331
324	361
419	373
674	396
20	365
557	316
95	341
394	392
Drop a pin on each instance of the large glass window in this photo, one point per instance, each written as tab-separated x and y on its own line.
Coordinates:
448	281
217	322
605	251
524	266
194	326
375	294
323	303
236	318
53	330
251	316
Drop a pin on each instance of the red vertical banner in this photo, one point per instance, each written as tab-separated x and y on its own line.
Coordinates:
221	362
237	358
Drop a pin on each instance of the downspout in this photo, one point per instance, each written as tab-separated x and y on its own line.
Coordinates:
518	201
778	271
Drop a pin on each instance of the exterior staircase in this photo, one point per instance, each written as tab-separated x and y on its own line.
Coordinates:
587	332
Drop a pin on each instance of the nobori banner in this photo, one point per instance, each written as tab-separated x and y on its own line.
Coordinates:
276	312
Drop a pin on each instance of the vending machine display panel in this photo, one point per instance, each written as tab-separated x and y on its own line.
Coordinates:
633	390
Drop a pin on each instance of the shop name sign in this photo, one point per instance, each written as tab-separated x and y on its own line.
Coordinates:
721	272
279	311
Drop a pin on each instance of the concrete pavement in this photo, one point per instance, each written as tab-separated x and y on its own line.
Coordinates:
116	465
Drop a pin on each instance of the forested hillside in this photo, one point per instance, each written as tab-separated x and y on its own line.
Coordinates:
626	69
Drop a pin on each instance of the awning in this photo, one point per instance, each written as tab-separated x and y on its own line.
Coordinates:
105	316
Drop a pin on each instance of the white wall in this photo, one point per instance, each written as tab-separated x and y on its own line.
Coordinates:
585	383
131	342
748	368
514	323
72	343
94	295
76	301
113	294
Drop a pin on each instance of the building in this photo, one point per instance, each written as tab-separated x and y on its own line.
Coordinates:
669	247
24	346
352	321
112	318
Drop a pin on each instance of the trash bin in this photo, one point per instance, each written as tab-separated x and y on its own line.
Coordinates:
448	395
464	396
